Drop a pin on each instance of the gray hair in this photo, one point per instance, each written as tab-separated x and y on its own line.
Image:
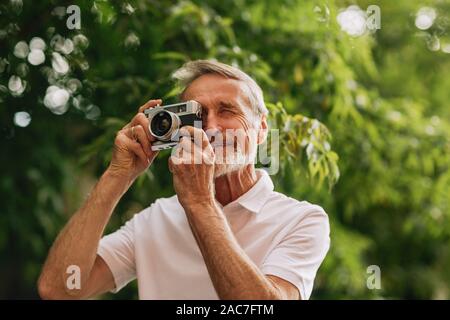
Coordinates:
194	69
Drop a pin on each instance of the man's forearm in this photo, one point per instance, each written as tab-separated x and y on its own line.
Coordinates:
77	243
232	272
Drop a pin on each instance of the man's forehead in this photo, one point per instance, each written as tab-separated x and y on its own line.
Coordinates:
215	89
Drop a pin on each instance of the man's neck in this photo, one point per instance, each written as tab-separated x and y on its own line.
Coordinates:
232	185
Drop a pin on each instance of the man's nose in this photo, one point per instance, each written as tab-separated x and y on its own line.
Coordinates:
211	122
212	126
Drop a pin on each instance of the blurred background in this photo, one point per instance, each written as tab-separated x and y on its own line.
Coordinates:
359	90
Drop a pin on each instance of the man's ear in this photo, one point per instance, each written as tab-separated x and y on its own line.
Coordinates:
262	133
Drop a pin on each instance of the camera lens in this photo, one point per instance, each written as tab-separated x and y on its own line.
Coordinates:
161	123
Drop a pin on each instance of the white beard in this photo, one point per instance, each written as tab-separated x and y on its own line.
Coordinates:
230	162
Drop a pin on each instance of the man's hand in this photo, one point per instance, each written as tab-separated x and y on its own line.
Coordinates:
132	152
192	166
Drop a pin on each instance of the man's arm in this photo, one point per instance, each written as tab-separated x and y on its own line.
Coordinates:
77	243
232	272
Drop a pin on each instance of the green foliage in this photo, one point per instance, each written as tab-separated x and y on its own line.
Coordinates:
363	124
299	133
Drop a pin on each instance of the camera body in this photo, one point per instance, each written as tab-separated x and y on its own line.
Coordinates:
165	122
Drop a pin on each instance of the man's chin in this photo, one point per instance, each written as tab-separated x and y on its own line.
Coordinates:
228	164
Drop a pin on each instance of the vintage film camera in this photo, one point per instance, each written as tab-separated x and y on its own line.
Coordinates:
165	122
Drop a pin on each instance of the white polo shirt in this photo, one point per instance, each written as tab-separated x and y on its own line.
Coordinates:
282	236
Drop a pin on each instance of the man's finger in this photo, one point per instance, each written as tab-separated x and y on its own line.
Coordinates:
197	134
134	147
174	161
142	120
150	104
190	152
140	136
137	150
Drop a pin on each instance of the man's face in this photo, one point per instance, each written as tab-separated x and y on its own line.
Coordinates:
227	115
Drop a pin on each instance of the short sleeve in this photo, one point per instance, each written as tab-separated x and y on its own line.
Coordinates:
117	250
299	255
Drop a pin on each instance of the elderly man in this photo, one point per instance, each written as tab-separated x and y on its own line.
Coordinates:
225	234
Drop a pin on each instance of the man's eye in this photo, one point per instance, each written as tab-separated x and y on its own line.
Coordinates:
226	111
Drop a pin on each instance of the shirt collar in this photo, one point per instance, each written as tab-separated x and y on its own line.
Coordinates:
254	199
